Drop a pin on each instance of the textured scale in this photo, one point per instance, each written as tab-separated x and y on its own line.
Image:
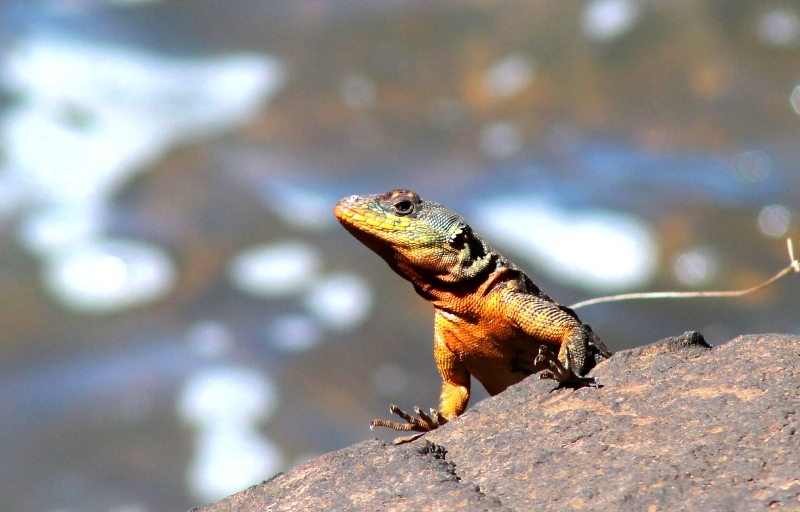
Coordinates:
491	321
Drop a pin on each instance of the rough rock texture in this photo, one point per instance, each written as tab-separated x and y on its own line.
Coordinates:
677	425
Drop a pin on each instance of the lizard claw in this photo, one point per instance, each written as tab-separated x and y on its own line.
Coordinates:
560	373
423	423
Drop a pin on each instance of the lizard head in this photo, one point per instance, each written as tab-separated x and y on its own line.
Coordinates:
418	239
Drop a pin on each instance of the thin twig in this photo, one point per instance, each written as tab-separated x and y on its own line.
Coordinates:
794	265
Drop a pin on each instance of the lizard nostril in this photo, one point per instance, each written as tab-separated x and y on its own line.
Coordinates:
344	205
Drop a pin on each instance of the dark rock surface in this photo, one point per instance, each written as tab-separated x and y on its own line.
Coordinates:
677	425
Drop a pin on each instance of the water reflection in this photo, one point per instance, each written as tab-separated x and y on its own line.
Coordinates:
340	301
754	166
49	230
93	115
509	76
604	20
211	339
595	249
276	270
779	27
109	275
501	140
294	333
795	99
696	266
773	220
90	117
225	405
359	91
179	188
298	206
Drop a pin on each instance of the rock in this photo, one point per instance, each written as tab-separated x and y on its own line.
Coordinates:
676	425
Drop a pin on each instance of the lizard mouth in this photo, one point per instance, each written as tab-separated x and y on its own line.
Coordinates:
343	209
348	214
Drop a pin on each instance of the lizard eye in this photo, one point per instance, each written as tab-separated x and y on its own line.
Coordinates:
403	207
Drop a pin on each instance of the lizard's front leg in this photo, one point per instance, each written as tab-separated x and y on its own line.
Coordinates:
424	423
560	372
549	323
452	401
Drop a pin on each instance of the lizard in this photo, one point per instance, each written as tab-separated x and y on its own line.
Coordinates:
490	322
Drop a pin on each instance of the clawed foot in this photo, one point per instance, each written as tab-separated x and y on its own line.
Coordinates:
560	373
424	423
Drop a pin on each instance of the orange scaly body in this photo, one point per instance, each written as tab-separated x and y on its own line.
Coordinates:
491	321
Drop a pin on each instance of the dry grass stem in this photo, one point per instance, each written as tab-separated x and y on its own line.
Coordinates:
793	266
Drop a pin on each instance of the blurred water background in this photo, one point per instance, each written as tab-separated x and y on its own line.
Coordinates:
181	316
